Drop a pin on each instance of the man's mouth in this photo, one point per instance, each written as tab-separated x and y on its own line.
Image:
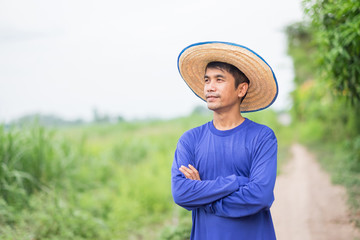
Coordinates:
211	96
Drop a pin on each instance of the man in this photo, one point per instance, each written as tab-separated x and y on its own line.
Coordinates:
224	171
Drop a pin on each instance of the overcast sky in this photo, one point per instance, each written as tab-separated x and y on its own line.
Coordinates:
68	57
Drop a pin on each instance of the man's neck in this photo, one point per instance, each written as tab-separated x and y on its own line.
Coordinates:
226	121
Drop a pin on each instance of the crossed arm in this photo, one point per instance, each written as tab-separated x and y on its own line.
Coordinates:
232	196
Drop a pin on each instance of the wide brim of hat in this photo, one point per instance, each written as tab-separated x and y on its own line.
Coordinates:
263	87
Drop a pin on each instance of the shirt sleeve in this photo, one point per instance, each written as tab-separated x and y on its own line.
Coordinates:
257	194
192	194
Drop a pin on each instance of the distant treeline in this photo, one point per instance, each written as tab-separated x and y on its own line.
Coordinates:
56	121
51	120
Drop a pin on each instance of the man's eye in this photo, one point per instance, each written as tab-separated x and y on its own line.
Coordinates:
219	79
206	80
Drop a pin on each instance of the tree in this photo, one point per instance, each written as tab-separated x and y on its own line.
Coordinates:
336	30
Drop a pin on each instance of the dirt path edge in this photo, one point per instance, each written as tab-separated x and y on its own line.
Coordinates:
307	205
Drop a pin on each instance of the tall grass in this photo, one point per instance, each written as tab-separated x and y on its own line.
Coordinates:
31	159
90	182
93	182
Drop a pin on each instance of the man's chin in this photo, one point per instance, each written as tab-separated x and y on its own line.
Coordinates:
212	107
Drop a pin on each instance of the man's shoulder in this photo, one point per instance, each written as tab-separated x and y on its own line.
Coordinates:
258	129
194	133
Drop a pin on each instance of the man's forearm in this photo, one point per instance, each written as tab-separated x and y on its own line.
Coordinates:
209	192
192	194
244	202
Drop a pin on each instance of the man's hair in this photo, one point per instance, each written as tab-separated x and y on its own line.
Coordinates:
238	75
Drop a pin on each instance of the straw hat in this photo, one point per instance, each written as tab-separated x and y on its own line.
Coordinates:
263	88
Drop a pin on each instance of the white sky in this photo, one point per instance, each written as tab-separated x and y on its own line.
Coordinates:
71	56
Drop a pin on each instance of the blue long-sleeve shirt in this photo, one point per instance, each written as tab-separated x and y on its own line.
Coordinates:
237	168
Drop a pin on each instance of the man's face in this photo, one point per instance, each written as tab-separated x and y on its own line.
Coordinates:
219	90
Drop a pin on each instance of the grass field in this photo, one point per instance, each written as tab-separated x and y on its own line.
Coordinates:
106	181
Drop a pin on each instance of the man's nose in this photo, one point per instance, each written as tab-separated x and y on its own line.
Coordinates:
210	87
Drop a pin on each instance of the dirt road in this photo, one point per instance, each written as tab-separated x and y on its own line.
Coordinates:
307	206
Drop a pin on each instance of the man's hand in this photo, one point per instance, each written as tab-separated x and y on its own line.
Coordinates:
190	173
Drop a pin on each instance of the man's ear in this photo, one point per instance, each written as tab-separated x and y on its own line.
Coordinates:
242	89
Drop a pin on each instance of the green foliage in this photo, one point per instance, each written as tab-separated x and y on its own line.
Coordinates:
336	29
90	182
324	87
31	160
102	181
326	56
300	44
181	231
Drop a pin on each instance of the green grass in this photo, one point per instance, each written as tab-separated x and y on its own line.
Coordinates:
105	181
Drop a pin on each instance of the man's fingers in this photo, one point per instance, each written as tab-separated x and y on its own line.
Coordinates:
190	173
186	172
197	176
192	168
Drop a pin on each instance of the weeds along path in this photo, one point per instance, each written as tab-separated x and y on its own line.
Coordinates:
307	206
